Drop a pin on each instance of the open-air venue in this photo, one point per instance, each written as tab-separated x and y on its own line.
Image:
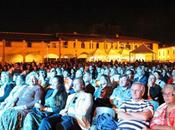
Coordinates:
87	65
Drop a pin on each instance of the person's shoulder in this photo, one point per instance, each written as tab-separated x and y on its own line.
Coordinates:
38	87
146	101
128	101
86	94
162	106
71	95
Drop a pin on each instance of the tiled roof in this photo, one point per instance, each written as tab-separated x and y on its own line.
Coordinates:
18	36
142	49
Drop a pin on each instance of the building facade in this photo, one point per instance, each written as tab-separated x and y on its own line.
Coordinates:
28	47
167	54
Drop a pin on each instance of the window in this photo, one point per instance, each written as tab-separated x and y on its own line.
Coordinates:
29	44
159	54
82	45
54	45
121	47
167	52
116	46
97	45
74	45
128	46
8	44
90	45
174	51
65	45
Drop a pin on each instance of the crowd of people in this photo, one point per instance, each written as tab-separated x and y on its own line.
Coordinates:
66	96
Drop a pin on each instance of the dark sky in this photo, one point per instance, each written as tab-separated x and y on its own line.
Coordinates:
151	19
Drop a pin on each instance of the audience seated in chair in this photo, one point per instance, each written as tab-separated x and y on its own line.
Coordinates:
135	113
75	115
164	117
25	101
55	100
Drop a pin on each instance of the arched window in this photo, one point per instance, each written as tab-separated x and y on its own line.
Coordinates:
29	44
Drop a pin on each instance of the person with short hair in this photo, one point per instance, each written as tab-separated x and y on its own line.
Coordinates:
122	92
140	75
135	114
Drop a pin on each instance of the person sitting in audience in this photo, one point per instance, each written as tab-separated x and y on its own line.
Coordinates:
55	100
31	94
75	115
52	74
153	92
159	81
87	77
68	82
135	113
14	94
130	74
6	86
42	78
122	92
79	73
164	75
103	92
164	117
104	86
172	79
140	75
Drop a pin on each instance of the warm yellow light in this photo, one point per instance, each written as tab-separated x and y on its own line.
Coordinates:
51	56
17	58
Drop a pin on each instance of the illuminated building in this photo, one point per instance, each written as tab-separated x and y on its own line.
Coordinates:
166	54
28	47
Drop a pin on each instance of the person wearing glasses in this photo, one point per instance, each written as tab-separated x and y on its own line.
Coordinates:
164	117
135	113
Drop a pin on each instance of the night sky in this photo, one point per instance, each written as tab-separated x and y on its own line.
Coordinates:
151	19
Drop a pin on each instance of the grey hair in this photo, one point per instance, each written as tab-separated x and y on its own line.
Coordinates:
140	84
171	86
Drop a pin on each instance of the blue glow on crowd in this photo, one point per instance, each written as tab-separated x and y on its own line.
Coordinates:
87	96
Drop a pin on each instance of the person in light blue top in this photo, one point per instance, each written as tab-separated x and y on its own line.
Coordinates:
122	92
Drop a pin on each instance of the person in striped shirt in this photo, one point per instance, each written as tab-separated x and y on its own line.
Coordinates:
135	114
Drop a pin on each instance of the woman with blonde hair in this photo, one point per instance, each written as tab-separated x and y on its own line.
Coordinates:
164	117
